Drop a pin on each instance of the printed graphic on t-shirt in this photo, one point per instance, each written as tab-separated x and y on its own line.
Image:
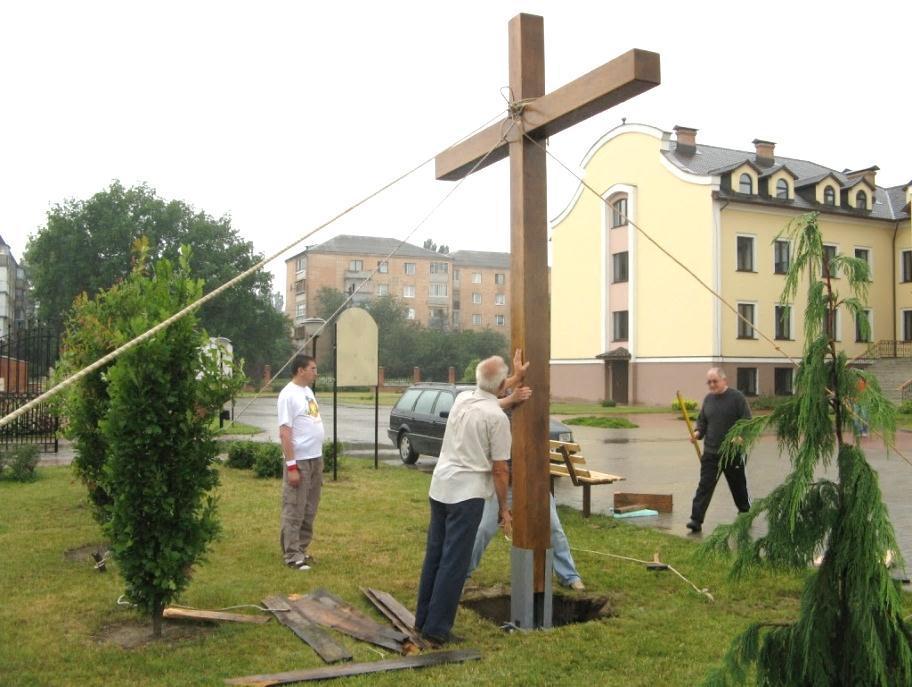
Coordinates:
313	409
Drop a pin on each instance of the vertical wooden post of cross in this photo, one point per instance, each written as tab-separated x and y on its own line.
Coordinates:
535	115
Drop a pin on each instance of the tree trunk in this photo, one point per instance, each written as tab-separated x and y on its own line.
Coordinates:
157	610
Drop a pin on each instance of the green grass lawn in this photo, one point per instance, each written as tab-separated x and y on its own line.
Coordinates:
603	422
599	409
370	532
231	427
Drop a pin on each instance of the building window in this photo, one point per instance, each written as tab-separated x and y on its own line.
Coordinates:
410	268
783	381
476	319
476	298
863	327
905	260
619	212
355	265
300	310
383	267
299	286
476	277
747	381
907	325
408	292
383	289
410	314
455	276
619	326
782	189
500	320
500	299
745	253
746	184
828	268
861	200
500	278
833	325
439	268
781	256
746	320
619	267
784	322
437	290
864	254
301	264
829	196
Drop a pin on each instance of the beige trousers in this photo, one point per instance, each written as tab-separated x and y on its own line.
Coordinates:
299	509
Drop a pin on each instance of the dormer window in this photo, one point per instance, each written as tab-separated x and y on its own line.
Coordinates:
746	184
861	200
829	196
782	189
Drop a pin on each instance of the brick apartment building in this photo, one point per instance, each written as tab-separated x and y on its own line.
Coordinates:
462	290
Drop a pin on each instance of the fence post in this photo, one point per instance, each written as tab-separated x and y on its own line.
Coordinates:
452	375
416	374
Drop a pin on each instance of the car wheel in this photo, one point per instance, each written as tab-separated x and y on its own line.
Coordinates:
406	452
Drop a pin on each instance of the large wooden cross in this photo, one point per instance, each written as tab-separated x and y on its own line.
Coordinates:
537	115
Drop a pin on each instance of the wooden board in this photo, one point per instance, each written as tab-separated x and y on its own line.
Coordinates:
424	660
401	618
659	502
322	608
194	614
630	509
316	637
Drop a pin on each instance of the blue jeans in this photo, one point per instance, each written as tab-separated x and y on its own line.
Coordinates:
564	567
450	536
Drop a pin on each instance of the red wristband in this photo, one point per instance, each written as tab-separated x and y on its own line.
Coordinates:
292	467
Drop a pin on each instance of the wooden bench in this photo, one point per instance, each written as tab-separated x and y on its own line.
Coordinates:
567	461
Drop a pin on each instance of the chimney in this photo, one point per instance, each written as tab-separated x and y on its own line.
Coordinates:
765	152
686	138
869	174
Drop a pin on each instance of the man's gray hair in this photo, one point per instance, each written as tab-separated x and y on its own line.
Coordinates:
490	372
719	372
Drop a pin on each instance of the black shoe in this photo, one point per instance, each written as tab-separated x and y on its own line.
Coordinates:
695	526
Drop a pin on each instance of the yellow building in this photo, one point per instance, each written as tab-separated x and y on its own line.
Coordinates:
630	324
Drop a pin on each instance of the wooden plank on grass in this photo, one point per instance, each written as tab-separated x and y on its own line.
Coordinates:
322	608
659	502
193	614
316	637
401	618
630	509
424	660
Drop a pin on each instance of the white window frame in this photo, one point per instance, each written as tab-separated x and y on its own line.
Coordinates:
410	314
870	259
791	321
383	289
791	371
500	320
906	336
383	267
835	274
410	268
754	337
899	270
476	319
789	244
476	298
756	378
437	286
753	238
408	292
500	299
869	313
300	310
500	278
301	264
356	265
476	277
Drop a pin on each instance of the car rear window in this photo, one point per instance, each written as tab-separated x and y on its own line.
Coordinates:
408	399
426	402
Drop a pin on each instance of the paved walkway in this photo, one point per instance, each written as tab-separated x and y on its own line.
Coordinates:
659	458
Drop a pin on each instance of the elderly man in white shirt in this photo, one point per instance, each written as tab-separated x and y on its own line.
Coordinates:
472	466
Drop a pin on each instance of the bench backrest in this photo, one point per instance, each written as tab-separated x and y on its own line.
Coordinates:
568	454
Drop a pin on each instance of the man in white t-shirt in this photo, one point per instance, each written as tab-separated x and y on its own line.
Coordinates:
301	433
472	466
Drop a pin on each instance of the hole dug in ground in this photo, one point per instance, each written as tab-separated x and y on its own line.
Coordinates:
493	603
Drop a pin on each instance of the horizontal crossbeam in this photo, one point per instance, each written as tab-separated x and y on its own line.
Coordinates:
634	72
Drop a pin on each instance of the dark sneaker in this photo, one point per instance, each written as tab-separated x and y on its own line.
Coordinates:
695	526
298	565
309	560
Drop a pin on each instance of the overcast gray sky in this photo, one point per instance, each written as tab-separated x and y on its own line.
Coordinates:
280	114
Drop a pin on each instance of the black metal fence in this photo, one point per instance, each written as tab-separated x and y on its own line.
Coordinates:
27	357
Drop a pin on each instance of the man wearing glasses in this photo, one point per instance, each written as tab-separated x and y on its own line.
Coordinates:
722	408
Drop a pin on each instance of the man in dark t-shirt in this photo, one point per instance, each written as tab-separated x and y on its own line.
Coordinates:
722	408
